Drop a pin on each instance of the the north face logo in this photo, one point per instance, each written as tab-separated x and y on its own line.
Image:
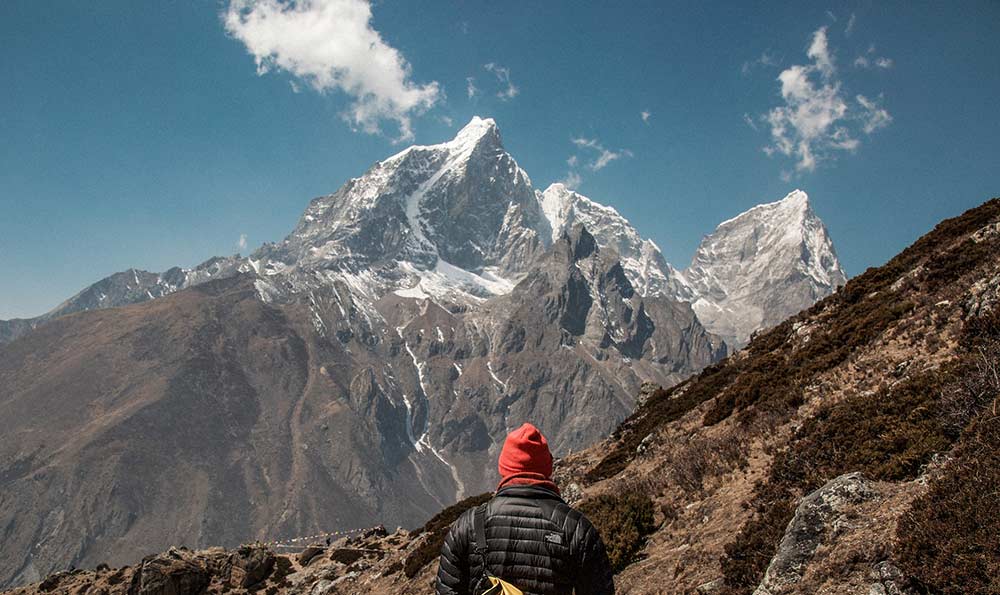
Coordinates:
553	538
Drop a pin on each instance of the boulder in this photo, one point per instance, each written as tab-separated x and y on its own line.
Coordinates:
817	515
251	565
172	573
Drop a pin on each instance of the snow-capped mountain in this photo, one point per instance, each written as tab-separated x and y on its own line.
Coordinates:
761	267
460	222
363	370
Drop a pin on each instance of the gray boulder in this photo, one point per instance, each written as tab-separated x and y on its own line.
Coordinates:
816	517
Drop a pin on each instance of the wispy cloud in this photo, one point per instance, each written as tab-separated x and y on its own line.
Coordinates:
816	120
869	60
604	156
850	25
572	180
470	87
645	115
508	90
592	155
241	244
331	46
749	121
766	59
873	115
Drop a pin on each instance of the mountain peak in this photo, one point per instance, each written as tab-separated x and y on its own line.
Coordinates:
476	130
762	266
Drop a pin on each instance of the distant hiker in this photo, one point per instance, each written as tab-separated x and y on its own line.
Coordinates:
526	534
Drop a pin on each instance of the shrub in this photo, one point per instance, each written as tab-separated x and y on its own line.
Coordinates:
890	435
624	521
950	538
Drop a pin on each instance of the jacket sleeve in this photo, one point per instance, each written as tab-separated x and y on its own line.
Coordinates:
594	571
453	569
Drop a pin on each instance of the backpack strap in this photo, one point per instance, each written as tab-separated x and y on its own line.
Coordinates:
481	547
479	522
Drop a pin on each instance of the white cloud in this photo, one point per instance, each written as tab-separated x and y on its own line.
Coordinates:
470	87
874	116
644	114
604	156
509	90
815	120
572	161
241	244
572	180
819	51
850	25
447	121
331	46
749	121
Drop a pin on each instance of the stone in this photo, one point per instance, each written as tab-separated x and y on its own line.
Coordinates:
169	574
306	556
816	516
253	564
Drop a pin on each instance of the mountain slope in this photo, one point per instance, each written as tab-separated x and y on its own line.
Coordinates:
364	369
851	449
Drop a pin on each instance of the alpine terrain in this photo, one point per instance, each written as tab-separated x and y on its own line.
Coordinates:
852	449
366	368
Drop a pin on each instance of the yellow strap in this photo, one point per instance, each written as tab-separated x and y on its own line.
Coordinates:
505	587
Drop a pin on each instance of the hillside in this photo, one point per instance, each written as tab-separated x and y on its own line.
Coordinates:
851	449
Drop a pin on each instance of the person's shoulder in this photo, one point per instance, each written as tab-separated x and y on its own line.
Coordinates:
576	519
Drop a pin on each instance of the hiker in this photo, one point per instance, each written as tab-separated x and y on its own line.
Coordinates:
533	540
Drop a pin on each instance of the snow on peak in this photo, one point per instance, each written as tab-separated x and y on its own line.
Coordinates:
642	260
476	129
762	266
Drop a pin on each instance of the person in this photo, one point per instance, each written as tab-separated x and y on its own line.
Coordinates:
534	540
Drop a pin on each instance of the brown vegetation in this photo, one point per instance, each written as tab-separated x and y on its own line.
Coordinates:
949	542
624	521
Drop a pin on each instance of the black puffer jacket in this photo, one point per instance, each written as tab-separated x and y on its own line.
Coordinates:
536	542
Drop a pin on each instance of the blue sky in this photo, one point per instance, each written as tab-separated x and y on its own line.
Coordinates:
144	134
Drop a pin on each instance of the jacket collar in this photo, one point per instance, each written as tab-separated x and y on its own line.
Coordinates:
528	491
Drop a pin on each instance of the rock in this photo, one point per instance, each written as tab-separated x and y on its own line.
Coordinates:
887	578
645	444
251	565
323	587
816	516
307	555
645	392
173	573
51	582
572	492
711	586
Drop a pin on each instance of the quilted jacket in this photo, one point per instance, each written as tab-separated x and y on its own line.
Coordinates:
535	541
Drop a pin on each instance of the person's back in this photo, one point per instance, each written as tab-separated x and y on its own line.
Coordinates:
534	540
